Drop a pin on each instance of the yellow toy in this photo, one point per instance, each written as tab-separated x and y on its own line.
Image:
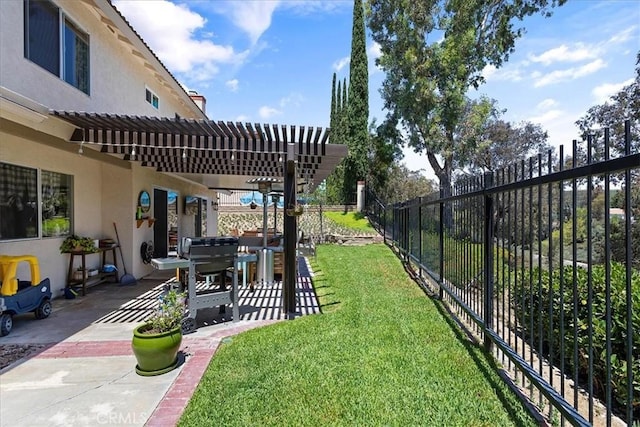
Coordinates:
21	296
8	268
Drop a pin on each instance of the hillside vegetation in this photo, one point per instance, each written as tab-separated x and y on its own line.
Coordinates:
309	222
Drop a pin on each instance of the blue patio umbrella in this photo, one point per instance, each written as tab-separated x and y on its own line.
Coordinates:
280	203
252	196
171	197
256	196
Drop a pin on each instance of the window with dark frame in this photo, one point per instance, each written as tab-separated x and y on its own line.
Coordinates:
18	202
67	58
152	98
76	57
23	213
56	204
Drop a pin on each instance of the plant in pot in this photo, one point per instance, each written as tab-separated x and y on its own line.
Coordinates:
156	342
295	209
75	243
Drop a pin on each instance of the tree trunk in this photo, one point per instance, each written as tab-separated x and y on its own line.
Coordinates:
444	176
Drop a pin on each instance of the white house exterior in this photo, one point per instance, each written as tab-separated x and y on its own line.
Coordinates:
107	69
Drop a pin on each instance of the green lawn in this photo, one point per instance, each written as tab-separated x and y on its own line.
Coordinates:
382	353
352	220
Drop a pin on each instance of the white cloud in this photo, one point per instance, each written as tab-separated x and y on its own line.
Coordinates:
242	118
623	35
558	124
603	92
252	17
546	104
375	50
341	63
547	116
232	85
489	71
267	112
563	53
169	30
512	73
567	74
306	7
294	99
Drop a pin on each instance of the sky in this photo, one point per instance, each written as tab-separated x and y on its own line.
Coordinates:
270	61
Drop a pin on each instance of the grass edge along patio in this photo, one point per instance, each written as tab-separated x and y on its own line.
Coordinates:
382	353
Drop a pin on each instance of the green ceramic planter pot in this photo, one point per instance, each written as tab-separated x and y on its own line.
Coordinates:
156	353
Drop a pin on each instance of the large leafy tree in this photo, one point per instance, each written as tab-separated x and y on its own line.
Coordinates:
433	51
403	184
625	105
612	114
384	151
503	144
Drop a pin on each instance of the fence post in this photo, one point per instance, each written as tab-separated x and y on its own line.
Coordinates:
420	232
441	249
405	234
488	260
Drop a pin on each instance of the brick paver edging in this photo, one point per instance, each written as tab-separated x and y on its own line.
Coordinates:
198	353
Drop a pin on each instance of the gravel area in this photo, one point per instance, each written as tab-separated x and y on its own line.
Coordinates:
10	353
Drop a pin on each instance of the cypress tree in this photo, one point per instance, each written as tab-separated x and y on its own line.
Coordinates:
332	119
338	119
333	189
343	174
350	116
358	101
343	117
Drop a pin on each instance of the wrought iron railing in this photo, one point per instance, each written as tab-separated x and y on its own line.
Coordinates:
542	261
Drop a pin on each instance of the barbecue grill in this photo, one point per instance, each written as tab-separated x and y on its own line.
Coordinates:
210	256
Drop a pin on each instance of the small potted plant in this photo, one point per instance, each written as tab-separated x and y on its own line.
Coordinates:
157	341
295	210
75	243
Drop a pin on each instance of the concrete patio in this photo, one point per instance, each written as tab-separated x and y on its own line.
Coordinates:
84	372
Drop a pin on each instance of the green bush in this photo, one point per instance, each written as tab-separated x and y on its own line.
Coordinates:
463	261
556	309
618	243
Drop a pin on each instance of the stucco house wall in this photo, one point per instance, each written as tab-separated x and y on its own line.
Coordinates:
105	188
118	75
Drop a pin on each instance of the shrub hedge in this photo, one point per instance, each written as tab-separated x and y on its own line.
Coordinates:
556	309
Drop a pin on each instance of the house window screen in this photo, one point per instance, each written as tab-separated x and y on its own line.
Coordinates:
76	57
42	35
152	98
18	202
68	56
22	209
56	204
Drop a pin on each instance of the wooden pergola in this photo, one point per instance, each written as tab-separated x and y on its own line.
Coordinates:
220	156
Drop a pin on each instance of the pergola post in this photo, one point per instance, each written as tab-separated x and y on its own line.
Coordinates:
290	233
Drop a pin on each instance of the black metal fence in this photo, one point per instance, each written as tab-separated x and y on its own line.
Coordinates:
542	261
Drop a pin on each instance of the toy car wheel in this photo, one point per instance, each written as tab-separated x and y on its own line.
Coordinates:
44	310
6	323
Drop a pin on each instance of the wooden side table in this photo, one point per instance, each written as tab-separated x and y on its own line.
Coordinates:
92	280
